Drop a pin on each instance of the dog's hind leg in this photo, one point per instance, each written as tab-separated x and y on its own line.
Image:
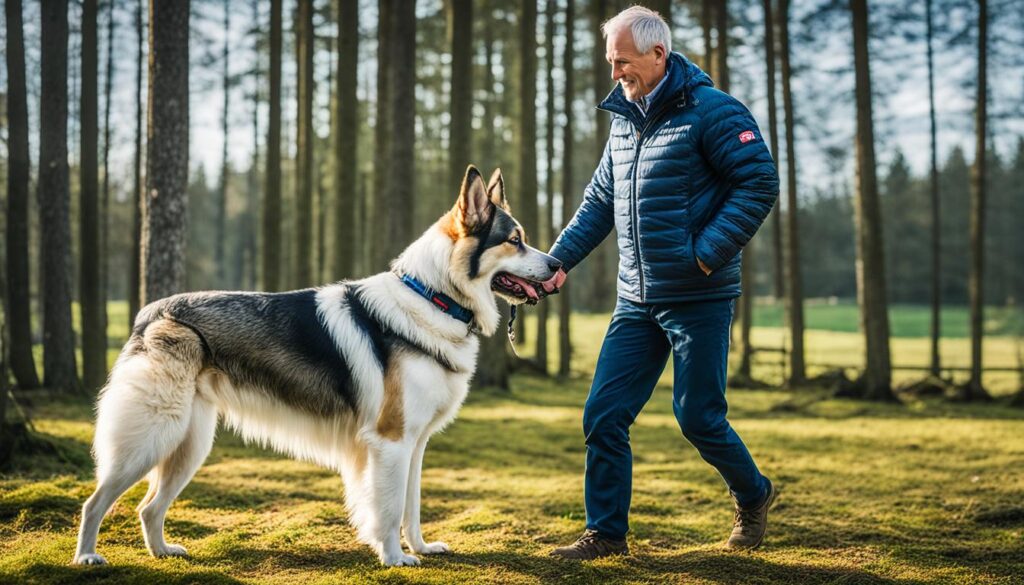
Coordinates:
173	474
411	519
142	418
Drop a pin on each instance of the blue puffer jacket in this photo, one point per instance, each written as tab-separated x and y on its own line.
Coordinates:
691	180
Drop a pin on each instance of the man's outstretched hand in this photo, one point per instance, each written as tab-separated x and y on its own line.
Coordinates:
552	285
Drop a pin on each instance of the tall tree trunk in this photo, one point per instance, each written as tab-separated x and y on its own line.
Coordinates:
794	290
94	367
382	138
303	260
707	9
877	382
108	90
165	217
528	208
936	242
54	198
662	7
565	305
601	278
974	389
134	284
252	206
773	131
272	176
19	308
346	138
546	235
397	201
460	38
220	232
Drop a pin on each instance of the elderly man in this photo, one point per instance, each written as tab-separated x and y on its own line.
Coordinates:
686	180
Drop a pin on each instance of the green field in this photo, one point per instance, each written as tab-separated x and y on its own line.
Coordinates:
926	492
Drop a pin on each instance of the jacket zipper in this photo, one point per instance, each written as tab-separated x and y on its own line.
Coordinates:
648	123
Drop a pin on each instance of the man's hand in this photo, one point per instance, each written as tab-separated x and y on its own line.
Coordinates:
552	285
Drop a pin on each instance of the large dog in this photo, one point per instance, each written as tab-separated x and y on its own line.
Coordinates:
355	376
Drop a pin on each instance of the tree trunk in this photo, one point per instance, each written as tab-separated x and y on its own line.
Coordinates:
975	390
546	235
303	259
794	276
18	303
134	285
601	278
382	138
165	215
564	304
272	190
54	198
773	131
936	242
460	38
662	7
108	89
94	367
706	17
528	207
346	138
251	244
877	382
397	200
220	231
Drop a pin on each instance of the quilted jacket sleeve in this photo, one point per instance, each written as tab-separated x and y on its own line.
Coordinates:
593	220
733	146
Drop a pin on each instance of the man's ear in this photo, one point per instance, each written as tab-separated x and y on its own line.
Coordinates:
496	190
474	208
659	52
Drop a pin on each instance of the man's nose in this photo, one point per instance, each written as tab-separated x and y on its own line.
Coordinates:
616	73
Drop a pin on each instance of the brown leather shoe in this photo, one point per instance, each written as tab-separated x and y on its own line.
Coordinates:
591	546
750	525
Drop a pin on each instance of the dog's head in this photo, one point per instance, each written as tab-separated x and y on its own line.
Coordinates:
490	246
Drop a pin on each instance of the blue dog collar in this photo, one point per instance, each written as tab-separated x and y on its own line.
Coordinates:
439	300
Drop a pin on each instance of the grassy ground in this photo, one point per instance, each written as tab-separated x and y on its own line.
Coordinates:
925	492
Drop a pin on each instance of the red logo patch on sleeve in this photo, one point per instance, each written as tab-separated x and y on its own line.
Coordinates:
746	136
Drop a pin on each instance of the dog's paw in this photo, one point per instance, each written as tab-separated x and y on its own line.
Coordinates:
434	548
89	559
170	550
400	560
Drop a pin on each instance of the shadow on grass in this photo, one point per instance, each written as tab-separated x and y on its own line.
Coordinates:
123	574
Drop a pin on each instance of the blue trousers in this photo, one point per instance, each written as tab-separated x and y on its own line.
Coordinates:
633	356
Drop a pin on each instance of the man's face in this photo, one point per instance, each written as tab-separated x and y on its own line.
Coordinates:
637	74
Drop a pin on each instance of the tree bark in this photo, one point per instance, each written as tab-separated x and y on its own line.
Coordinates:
936	242
871	290
706	18
108	89
547	225
460	38
773	131
564	304
220	235
165	215
346	139
59	367
382	137
19	308
94	367
272	190
975	390
528	207
134	285
303	259
794	276
397	200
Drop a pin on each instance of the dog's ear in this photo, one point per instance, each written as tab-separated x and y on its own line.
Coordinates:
474	207
496	190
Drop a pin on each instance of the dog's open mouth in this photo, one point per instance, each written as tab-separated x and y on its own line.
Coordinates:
515	286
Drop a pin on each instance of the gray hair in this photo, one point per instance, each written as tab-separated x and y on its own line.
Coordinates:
648	28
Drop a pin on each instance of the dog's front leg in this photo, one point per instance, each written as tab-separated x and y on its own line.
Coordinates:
411	521
389	468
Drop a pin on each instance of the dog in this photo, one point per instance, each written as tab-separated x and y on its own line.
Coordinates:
355	376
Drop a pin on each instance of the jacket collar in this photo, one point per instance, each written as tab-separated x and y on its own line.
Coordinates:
682	77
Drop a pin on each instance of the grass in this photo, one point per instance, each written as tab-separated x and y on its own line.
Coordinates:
925	492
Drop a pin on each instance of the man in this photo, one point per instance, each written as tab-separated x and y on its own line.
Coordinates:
686	180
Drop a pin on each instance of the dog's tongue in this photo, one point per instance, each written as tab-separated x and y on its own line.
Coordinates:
530	291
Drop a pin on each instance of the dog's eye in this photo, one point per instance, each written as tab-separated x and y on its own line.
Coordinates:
514	240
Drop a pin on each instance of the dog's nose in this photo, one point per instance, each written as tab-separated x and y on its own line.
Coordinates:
554	265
